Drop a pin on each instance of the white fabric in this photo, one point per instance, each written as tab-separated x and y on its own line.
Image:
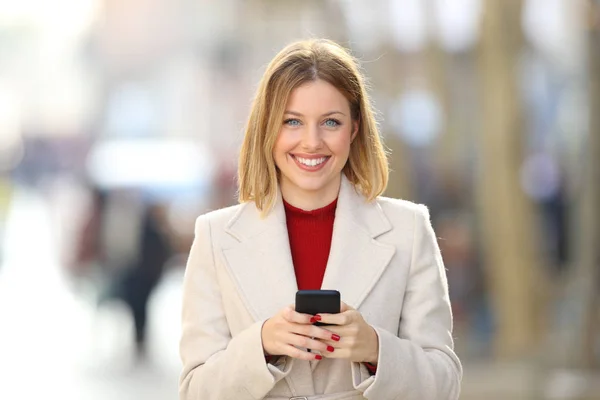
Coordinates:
385	262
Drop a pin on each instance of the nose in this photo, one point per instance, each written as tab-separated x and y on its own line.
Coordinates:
311	139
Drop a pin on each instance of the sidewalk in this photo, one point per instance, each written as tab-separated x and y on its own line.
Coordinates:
487	381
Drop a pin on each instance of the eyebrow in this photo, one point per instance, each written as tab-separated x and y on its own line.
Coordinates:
324	115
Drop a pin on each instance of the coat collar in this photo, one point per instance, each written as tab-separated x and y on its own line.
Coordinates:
260	259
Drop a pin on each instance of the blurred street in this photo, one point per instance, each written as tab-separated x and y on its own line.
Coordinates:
54	344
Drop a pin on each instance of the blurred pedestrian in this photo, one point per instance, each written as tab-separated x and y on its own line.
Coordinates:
137	283
123	249
311	172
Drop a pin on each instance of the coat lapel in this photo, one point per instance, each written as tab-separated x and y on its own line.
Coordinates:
261	264
260	261
356	259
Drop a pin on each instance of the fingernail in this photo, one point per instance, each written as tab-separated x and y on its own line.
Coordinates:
335	337
315	319
330	349
318	357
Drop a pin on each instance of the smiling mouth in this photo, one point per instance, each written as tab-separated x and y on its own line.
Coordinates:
310	163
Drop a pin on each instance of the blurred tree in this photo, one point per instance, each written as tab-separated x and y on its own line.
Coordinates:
512	263
438	69
585	287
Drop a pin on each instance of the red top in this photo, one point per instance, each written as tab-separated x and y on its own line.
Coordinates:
310	241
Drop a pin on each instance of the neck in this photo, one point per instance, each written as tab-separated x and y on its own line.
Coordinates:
309	200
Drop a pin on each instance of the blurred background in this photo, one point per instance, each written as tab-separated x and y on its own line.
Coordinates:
120	122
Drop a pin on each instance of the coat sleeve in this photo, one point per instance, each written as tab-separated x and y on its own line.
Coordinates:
217	366
419	363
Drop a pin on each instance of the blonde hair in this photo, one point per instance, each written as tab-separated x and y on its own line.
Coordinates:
296	64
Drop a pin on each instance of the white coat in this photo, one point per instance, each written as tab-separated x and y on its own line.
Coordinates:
385	262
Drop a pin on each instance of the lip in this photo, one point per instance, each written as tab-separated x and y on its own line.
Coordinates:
310	157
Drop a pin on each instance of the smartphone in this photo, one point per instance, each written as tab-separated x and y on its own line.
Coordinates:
318	301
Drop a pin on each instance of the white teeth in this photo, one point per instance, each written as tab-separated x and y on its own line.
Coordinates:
311	162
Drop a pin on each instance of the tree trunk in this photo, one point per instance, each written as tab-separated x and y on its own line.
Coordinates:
586	235
510	253
437	67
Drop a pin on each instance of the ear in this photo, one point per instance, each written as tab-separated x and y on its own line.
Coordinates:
355	125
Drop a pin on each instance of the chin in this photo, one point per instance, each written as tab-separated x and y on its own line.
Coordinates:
310	185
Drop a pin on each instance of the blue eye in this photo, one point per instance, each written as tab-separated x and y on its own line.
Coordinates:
332	123
292	122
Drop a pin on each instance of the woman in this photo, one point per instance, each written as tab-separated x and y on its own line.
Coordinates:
311	170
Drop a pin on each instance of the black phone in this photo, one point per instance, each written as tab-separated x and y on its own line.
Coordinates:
318	301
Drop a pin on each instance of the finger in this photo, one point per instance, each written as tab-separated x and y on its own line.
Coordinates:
295	352
343	318
341	336
290	315
338	353
315	332
345	342
345	307
309	343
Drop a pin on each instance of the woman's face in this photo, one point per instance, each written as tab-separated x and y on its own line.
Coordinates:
313	144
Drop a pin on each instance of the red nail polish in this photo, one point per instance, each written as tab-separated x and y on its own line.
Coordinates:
317	317
318	357
313	320
335	337
330	349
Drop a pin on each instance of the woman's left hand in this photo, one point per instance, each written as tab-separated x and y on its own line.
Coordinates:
358	340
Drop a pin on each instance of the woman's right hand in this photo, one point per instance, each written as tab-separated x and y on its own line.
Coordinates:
283	333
